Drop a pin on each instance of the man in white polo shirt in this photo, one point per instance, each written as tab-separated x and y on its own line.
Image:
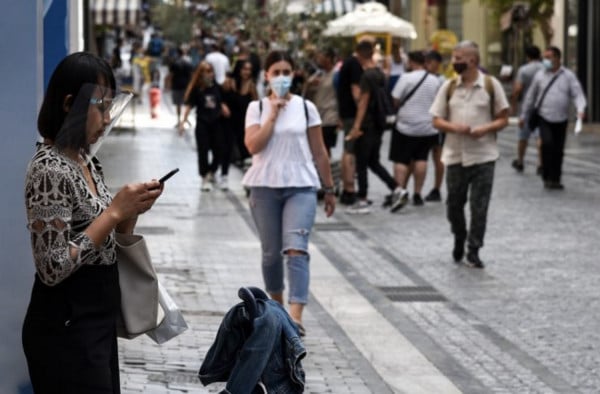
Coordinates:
470	109
413	135
219	63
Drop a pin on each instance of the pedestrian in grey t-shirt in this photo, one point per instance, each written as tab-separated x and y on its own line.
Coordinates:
522	82
553	112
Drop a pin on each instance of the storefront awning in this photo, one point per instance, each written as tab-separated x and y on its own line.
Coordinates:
115	12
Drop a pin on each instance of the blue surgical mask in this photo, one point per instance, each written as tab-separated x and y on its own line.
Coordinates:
281	85
547	63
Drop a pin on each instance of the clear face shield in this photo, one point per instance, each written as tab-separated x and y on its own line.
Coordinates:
91	116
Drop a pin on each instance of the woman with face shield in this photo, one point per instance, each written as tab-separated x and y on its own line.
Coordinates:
283	134
69	332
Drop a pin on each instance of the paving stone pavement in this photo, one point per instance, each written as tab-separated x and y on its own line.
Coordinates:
526	324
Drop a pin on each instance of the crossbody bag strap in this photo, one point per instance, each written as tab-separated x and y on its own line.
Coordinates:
305	113
539	105
409	95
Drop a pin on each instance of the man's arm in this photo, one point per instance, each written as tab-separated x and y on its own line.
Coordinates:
439	111
398	91
361	110
355	88
501	110
500	122
516	91
514	98
577	95
446	126
531	96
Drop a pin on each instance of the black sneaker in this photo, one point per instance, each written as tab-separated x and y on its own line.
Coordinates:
517	165
434	196
554	186
418	200
387	200
473	259
348	198
459	250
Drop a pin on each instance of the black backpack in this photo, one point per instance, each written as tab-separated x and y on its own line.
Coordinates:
383	109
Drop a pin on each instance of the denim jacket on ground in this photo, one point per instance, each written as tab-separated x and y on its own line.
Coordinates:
267	350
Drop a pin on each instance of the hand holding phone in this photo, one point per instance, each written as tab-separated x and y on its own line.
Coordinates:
166	177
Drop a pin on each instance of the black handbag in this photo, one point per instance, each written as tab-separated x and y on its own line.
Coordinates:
534	117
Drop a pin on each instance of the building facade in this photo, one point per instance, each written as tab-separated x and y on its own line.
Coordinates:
575	26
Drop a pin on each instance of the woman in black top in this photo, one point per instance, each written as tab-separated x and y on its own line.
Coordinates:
206	95
69	332
227	136
245	93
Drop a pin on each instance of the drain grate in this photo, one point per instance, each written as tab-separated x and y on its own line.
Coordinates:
340	226
154	230
412	294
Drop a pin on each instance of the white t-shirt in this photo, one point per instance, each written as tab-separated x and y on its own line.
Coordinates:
220	64
286	160
412	118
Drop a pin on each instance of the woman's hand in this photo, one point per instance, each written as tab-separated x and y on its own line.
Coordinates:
276	105
132	200
135	199
127	226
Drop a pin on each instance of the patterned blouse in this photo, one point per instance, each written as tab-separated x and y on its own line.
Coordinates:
60	206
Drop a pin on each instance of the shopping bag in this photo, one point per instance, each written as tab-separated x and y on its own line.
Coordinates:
140	309
173	323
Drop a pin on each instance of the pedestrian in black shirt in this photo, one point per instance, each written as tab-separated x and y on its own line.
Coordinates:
180	72
347	93
366	131
206	96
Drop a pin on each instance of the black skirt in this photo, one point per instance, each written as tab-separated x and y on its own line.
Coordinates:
69	333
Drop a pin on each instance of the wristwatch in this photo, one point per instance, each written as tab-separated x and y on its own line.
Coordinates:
328	190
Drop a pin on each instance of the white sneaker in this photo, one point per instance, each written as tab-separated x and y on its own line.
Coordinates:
206	184
399	200
223	184
360	207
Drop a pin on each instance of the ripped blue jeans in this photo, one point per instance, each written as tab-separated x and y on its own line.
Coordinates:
284	218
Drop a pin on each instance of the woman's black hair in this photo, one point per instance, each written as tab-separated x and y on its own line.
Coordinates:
237	71
278	56
74	76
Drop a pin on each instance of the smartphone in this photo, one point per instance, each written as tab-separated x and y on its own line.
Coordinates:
167	176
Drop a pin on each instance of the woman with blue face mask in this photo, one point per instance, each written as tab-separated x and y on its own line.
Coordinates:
283	134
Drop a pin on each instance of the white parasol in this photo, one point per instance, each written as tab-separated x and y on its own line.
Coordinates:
370	17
